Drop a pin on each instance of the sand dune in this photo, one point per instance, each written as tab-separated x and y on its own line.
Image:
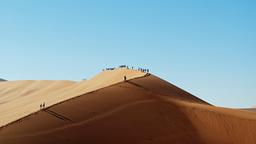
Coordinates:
21	98
105	109
250	109
2	79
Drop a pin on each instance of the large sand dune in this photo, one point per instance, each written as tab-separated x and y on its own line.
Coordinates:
105	109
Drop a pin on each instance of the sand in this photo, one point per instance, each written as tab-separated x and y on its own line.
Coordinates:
250	109
21	98
106	109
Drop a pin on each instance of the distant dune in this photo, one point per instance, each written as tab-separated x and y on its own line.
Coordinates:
107	109
2	79
250	109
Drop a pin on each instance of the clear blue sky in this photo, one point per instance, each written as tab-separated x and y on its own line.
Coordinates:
207	47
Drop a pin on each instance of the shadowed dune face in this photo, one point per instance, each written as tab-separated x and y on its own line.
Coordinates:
145	110
160	87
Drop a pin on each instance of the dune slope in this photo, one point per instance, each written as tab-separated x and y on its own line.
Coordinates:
21	98
143	110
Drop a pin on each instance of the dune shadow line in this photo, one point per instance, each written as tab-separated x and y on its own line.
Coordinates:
57	115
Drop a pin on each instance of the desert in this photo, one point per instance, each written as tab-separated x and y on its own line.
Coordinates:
107	108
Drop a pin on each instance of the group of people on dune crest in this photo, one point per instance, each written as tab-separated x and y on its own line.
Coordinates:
125	66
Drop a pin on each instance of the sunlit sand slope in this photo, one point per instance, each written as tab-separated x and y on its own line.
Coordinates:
21	98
